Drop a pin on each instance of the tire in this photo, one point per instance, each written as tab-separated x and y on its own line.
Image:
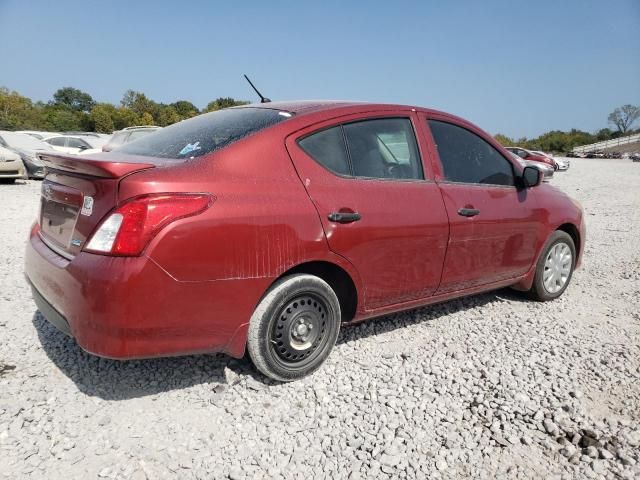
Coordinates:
558	271
278	344
8	181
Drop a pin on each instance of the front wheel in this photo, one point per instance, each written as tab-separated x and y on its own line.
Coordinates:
294	327
555	267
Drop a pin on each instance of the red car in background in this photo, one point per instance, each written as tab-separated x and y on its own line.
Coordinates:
534	157
265	227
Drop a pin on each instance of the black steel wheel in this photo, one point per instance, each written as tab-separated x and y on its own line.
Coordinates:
294	328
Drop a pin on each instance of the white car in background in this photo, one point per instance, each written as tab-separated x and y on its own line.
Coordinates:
561	164
38	134
77	144
11	166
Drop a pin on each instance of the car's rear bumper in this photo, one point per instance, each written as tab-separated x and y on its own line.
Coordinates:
126	308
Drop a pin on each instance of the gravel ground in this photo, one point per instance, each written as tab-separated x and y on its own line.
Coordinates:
488	386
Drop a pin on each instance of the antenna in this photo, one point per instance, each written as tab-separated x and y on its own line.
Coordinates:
262	98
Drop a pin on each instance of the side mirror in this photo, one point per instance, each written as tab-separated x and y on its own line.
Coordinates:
531	176
83	147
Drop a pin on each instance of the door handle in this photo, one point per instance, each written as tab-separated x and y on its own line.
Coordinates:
344	217
468	212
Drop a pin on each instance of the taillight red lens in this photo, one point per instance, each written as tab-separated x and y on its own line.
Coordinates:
143	217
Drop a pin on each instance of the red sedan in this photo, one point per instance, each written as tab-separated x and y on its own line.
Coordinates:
265	227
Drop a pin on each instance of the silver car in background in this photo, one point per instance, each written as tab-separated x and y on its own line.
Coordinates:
26	146
11	166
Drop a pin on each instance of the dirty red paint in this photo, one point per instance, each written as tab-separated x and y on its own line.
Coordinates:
196	284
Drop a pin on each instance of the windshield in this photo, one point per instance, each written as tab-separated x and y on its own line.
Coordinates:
205	133
23	141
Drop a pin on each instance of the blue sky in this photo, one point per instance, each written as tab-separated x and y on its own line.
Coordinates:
516	67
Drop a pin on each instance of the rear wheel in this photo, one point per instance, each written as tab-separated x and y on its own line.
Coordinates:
7	180
555	267
294	327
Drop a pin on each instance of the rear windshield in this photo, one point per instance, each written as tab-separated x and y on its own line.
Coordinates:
205	133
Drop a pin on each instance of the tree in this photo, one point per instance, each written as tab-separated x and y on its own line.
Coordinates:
146	119
18	112
124	117
61	119
223	102
185	109
139	103
168	115
73	99
102	116
503	140
623	117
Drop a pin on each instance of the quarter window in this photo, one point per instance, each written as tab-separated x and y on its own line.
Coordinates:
467	158
327	148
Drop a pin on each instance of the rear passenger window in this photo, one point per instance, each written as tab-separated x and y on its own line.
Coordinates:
467	158
381	148
327	148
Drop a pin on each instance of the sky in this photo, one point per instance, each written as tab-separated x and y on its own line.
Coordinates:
517	67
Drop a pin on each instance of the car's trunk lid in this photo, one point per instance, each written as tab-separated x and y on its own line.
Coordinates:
77	193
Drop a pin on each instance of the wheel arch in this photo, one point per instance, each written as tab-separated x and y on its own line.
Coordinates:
574	233
570	229
338	279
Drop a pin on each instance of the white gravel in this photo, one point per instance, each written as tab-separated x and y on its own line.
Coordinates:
488	386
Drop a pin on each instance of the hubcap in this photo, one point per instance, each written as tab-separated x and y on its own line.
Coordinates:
557	267
299	328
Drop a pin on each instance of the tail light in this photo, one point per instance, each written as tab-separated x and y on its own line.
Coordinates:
129	228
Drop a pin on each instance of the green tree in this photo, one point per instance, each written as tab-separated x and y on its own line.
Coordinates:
124	117
504	140
623	117
146	119
61	119
185	109
168	115
223	102
18	112
73	99
102	116
139	103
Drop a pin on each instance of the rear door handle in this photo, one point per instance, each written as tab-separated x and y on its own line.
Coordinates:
344	217
468	212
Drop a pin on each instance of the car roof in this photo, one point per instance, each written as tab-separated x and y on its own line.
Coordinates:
77	137
299	107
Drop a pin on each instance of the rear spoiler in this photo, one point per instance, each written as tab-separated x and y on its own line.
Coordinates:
91	166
